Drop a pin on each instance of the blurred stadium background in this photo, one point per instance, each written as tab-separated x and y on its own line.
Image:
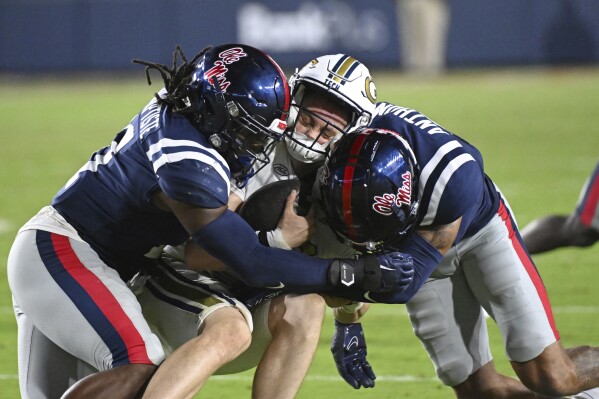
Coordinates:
520	81
85	35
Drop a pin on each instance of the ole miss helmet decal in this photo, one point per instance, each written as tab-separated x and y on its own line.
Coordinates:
219	71
384	204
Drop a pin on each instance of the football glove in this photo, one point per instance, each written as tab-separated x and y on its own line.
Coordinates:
397	271
393	271
349	352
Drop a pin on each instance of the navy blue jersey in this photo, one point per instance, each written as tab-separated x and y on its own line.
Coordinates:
452	182
108	200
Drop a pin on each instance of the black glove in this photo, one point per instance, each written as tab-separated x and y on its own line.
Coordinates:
385	272
349	351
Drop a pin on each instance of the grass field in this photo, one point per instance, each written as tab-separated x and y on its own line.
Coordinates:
538	130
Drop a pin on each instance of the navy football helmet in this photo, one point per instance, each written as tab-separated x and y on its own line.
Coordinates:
369	188
240	99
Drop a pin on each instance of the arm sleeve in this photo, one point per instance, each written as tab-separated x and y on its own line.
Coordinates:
231	240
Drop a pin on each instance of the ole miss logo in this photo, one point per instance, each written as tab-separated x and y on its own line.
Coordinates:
219	70
384	204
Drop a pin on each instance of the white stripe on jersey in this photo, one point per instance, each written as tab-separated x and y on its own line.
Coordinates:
92	165
212	159
183	155
164	143
431	165
440	186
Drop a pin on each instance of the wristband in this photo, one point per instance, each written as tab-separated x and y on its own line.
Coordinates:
361	273
273	239
276	240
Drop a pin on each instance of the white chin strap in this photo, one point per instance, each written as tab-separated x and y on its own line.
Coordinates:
301	150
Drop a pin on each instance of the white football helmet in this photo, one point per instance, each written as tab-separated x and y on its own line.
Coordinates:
341	76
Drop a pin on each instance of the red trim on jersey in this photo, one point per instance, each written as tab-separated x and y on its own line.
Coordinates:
531	270
590	206
348	175
103	298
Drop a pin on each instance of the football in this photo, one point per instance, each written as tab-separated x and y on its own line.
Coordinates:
263	209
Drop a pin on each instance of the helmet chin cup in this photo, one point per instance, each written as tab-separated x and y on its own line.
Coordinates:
305	149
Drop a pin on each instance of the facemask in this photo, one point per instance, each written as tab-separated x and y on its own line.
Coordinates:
302	148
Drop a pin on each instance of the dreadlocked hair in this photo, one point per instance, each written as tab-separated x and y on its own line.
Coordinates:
175	79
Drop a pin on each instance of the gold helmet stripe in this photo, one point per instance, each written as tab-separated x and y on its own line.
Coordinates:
344	69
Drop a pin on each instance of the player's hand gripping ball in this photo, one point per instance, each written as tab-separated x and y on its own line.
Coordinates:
263	209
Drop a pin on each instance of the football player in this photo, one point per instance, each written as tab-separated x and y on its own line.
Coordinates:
165	178
178	303
407	184
579	229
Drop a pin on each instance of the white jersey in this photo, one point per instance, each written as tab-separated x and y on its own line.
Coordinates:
280	168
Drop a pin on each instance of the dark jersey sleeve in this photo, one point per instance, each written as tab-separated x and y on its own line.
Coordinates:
458	194
188	168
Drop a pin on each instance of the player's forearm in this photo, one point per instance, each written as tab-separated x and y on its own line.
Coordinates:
196	258
232	241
